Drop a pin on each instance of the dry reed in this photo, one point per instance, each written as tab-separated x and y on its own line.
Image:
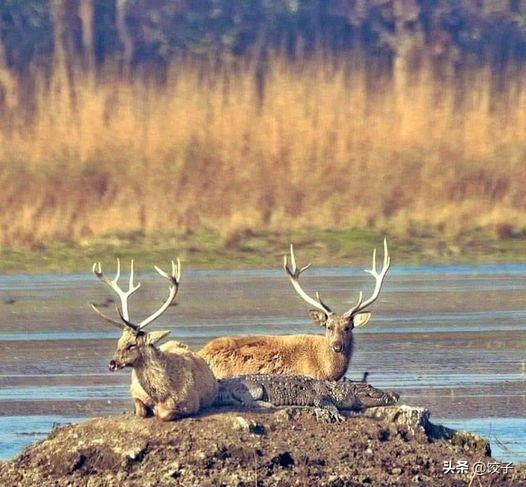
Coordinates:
322	147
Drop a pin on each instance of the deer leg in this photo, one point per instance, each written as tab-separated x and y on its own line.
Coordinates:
142	401
141	409
163	413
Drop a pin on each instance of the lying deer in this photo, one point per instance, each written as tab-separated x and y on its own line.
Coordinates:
170	380
319	357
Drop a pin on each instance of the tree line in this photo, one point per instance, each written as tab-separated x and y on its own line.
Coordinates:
153	32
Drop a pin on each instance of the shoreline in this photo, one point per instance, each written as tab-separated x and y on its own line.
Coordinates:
209	250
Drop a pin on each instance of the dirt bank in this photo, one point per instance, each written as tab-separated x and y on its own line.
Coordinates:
384	446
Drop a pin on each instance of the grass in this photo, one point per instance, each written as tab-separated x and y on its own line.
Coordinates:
263	249
325	147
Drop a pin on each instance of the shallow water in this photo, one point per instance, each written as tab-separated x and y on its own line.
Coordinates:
450	338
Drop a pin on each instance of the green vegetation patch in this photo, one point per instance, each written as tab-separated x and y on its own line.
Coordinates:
206	249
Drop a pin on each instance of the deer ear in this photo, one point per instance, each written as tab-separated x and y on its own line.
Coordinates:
361	319
319	317
155	336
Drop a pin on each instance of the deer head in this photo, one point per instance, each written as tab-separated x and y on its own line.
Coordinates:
134	341
338	327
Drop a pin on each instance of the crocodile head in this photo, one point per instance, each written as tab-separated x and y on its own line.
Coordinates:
376	397
359	395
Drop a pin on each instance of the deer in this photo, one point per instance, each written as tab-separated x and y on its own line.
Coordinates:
169	380
319	357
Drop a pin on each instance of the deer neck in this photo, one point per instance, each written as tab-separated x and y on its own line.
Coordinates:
334	364
152	373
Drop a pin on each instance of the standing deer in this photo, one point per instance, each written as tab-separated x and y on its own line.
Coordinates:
319	357
171	381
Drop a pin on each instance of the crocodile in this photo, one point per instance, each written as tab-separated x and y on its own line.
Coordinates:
328	397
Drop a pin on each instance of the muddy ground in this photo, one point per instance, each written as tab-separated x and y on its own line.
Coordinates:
384	446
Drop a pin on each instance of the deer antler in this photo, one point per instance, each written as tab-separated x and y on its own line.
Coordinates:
174	278
379	278
123	312
121	325
294	275
114	284
123	295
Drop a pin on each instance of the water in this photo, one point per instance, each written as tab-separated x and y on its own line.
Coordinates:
450	338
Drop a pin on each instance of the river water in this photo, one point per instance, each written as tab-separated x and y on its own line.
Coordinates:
450	338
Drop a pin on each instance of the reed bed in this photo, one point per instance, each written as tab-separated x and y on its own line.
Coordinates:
315	144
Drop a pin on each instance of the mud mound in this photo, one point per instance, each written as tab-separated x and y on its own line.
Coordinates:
384	446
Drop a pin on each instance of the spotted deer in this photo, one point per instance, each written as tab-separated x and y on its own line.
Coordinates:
320	357
170	380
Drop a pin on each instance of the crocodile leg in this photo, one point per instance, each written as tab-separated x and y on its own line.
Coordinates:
257	394
240	392
249	394
255	390
264	404
244	397
327	411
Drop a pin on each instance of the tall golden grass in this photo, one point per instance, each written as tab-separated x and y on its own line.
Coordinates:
322	146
